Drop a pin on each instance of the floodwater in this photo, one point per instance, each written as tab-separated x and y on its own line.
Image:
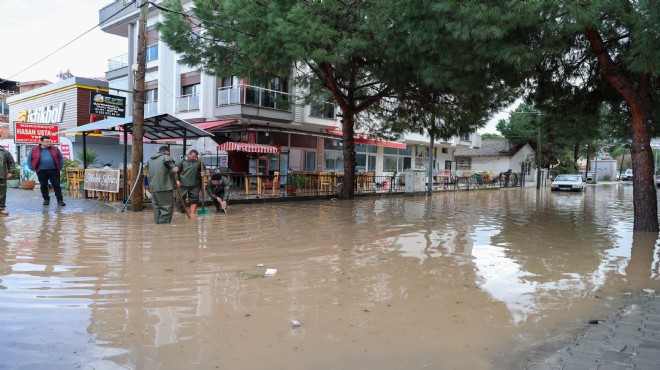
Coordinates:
463	280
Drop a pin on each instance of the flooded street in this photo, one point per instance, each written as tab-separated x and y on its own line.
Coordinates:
463	280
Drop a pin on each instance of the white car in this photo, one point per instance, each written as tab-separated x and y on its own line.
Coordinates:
567	183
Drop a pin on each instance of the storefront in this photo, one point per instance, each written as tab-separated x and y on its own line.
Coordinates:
62	105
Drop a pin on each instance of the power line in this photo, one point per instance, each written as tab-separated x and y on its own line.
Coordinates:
61	47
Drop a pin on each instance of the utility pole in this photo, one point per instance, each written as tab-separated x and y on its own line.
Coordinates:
138	110
538	153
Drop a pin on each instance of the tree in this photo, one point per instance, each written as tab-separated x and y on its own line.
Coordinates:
490	136
334	47
590	47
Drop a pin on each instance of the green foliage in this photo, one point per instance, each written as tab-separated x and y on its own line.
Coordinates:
16	173
68	163
566	165
488	136
92	157
297	180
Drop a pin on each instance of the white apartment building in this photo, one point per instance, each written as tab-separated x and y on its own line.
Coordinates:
239	109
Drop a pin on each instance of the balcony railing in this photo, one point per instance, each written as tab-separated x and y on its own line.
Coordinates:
118	62
253	95
188	103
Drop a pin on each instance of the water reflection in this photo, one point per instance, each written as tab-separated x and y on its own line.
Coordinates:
462	279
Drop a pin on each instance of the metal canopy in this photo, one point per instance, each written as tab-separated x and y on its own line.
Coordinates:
156	127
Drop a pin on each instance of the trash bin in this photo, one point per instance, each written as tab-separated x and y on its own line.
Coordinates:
414	180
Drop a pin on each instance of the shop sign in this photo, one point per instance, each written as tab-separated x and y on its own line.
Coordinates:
107	105
31	133
102	180
46	114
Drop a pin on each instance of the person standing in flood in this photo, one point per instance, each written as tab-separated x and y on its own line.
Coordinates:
161	170
189	180
46	160
7	166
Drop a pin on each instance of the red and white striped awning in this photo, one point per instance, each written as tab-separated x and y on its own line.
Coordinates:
231	146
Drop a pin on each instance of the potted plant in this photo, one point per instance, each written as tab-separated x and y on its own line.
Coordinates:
27	181
294	183
15	181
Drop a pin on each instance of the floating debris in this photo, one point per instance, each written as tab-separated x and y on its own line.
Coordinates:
247	275
260	265
649	291
270	272
295	324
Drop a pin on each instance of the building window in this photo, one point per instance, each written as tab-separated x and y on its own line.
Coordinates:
152	52
151	102
465	137
333	161
121	84
321	109
189	99
228	93
397	159
310	161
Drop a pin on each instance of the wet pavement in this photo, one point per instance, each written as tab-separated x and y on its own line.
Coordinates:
488	280
629	338
29	202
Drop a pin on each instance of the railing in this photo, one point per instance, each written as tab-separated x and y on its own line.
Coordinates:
118	62
253	95
188	103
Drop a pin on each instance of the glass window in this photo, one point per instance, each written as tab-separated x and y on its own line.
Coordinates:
152	52
320	109
333	161
190	89
151	103
310	161
122	84
189	99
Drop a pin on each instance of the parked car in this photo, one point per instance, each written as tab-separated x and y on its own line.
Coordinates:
657	180
567	182
628	175
588	177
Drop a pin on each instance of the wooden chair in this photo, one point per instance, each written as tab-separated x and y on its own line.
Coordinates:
325	182
273	184
74	176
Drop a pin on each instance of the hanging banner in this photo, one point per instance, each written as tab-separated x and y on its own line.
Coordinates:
107	105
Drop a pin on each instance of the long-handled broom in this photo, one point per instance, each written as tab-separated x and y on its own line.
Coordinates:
183	203
203	211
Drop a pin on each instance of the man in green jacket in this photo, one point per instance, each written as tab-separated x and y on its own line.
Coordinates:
189	180
218	190
160	173
7	165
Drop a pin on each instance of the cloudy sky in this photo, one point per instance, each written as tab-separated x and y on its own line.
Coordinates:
33	29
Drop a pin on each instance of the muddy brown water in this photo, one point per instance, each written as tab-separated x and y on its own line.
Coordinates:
464	280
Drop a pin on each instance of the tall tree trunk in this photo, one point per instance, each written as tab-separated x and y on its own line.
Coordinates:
638	96
350	160
576	152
